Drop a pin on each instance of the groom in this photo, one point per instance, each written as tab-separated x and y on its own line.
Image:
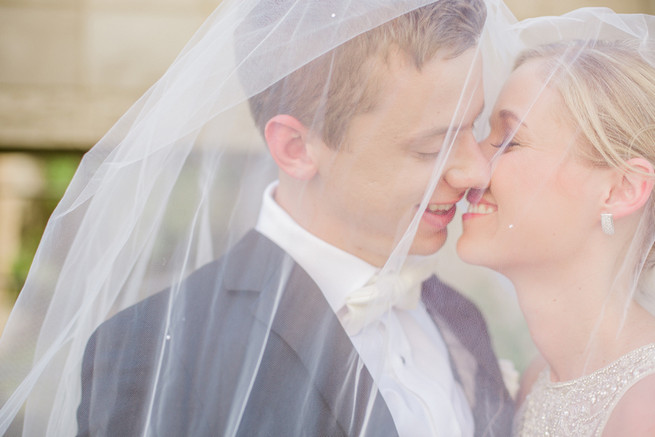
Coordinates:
347	184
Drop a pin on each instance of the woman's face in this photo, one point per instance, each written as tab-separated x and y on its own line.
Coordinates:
542	201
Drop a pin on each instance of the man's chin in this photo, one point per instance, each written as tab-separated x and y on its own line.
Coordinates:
429	246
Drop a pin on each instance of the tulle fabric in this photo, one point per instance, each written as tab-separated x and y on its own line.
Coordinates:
151	238
173	187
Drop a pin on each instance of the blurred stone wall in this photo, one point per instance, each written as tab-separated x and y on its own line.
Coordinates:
70	68
533	8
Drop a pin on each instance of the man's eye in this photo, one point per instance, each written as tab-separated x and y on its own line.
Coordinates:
427	155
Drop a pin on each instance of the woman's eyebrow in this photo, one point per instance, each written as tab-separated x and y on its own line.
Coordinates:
507	114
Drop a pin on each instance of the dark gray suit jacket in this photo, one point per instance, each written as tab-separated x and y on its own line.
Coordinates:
200	369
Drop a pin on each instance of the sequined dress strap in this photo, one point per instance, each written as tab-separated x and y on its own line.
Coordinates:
582	406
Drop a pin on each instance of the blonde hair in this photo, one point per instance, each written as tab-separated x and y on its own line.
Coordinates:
327	92
609	91
608	88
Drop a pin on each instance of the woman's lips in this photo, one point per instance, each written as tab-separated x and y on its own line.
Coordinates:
479	209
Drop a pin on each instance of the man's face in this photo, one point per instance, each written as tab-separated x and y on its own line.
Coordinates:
366	193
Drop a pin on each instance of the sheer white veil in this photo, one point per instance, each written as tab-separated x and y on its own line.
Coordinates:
170	188
167	201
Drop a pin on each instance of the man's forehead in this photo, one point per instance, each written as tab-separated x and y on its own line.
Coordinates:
417	104
439	131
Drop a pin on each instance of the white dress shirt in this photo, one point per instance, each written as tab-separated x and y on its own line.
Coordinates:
404	351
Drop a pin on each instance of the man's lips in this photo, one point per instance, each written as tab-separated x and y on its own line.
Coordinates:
439	208
438	215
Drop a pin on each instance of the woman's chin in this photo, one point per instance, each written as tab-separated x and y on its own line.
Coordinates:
472	251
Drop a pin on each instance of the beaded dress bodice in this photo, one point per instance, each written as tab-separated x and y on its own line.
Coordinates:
581	407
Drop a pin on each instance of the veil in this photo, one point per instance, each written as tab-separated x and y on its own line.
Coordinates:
130	322
159	301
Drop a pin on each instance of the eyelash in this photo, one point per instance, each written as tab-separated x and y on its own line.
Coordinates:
426	156
509	143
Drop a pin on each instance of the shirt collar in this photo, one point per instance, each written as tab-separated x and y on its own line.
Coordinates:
335	271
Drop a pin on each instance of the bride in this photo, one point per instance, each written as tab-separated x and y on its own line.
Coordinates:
568	218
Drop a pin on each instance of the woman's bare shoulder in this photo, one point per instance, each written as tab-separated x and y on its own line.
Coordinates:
633	415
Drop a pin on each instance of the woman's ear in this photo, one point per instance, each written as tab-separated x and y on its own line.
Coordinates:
286	138
632	189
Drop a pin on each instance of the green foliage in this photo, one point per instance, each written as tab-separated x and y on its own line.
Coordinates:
57	170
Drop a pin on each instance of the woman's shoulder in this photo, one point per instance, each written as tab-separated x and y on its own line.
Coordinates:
633	414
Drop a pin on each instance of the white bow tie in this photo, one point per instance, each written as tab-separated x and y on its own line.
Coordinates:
383	292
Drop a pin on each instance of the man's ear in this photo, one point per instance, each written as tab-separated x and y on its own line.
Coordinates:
632	189
286	137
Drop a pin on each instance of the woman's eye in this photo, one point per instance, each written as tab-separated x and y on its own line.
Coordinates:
505	143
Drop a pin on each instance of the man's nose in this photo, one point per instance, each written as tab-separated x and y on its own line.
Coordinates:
468	167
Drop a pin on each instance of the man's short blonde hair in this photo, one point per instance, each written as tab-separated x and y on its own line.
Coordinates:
326	93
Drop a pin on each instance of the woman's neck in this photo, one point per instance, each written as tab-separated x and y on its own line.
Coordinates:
579	319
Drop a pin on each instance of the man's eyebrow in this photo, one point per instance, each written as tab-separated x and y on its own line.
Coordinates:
438	131
430	133
425	136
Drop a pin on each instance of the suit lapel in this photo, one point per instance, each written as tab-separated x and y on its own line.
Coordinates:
303	319
474	362
461	325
